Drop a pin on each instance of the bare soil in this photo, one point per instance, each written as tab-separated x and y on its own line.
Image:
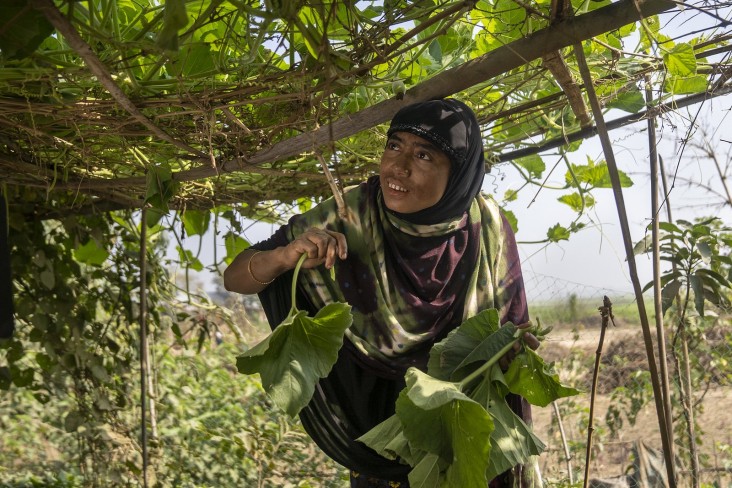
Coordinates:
623	358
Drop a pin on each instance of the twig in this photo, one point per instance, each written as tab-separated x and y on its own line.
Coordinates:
565	446
606	311
337	191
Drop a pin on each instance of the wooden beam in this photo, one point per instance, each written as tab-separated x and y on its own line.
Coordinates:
501	60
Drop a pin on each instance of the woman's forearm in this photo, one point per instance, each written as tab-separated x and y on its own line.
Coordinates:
251	271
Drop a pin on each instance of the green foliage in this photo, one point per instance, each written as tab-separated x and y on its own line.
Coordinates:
701	264
218	428
594	175
299	352
468	421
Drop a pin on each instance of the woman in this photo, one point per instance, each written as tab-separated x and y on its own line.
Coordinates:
419	252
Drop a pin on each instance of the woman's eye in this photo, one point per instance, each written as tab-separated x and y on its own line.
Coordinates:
423	155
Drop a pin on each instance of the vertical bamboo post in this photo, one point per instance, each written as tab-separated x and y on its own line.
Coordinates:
143	344
628	244
565	446
684	374
657	304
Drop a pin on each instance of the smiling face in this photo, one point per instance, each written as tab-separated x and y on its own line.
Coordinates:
413	173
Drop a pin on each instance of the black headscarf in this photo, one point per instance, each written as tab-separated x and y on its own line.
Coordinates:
451	126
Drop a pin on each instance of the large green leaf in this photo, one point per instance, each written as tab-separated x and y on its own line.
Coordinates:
449	354
513	442
680	60
682	85
426	473
299	352
196	221
459	428
529	376
91	253
174	19
595	175
159	189
630	101
235	244
533	164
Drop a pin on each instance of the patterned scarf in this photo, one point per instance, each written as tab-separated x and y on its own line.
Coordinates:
408	284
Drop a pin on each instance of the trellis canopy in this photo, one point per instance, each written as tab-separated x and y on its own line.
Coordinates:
195	104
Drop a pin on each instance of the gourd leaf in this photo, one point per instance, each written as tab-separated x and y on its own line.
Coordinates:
680	60
426	473
529	376
513	441
91	253
174	19
299	352
472	431
22	29
558	233
186	257
447	355
381	438
234	245
533	164
196	222
630	101
459	430
577	201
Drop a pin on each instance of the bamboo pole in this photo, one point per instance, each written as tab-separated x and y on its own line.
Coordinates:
628	244
657	303
684	374
565	446
143	345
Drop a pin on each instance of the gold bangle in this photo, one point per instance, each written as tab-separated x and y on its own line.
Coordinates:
249	267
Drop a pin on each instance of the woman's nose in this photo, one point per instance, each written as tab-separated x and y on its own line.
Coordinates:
402	165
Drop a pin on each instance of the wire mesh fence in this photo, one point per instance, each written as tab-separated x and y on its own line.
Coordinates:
626	447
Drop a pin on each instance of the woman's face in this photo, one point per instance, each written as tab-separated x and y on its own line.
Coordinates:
413	173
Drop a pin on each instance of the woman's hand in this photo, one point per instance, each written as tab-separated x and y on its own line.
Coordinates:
528	338
322	247
251	271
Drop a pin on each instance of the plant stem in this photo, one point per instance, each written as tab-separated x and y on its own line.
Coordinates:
485	366
606	312
293	307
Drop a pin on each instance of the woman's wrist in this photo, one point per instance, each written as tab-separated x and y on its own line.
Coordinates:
264	267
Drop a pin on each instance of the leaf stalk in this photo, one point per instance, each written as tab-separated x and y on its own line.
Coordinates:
493	360
293	308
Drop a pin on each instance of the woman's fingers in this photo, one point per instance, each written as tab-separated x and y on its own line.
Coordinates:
322	247
531	341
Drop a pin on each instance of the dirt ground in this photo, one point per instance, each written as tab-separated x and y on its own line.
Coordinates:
623	356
